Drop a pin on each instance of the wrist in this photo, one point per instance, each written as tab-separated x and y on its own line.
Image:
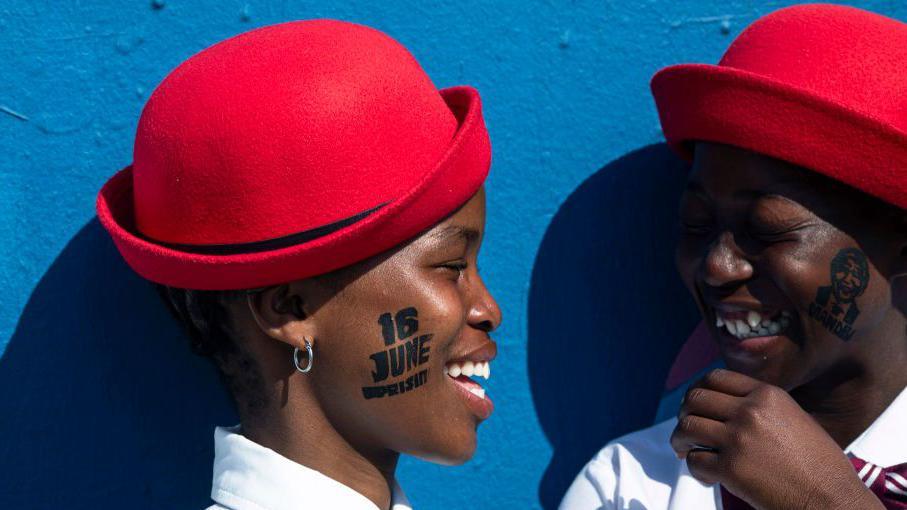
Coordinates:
857	498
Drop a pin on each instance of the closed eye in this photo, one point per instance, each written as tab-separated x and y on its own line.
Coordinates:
458	266
695	228
769	234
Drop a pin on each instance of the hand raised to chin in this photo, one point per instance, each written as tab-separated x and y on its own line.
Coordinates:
756	441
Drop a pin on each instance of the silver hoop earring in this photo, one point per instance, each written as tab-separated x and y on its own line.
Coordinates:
309	354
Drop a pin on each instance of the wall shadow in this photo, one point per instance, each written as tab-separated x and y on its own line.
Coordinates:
102	404
607	311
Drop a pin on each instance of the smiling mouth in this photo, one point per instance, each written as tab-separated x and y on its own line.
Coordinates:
752	324
462	371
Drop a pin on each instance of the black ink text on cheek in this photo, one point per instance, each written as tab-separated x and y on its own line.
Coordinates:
835	306
404	351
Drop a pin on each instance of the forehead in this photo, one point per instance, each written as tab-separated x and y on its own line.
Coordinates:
467	221
723	170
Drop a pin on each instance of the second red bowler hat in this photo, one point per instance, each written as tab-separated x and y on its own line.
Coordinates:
818	85
290	151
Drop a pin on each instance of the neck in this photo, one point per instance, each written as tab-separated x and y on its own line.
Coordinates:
846	399
296	428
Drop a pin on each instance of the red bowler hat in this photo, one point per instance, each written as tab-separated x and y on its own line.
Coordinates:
821	86
290	151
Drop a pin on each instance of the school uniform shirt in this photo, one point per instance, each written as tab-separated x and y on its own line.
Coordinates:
248	476
640	471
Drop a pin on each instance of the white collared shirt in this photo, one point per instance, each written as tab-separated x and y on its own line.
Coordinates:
248	476
641	472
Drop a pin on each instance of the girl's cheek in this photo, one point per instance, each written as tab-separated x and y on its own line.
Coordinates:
687	266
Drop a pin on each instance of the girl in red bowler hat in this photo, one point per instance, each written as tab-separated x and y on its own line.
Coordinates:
311	208
794	245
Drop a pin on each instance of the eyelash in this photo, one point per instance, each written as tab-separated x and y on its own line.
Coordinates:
767	237
457	266
696	230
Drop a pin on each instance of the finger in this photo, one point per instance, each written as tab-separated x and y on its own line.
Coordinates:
696	432
703	465
709	404
730	382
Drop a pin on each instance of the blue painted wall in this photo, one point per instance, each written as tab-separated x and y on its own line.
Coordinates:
101	404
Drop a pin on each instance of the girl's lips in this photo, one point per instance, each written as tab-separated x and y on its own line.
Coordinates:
755	347
481	406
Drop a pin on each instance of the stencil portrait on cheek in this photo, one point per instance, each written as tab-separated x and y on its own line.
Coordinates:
793	244
311	207
836	304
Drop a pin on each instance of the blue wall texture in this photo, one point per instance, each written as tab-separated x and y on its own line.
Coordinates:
101	404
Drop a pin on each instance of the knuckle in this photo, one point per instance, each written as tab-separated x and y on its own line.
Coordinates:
687	424
750	415
714	377
771	396
765	393
693	395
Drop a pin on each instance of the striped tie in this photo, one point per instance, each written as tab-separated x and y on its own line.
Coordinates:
888	484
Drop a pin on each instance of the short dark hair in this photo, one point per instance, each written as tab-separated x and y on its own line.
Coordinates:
206	319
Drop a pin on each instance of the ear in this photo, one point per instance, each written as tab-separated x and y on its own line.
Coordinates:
280	313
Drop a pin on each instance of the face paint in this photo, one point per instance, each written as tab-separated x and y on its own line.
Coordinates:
405	354
835	306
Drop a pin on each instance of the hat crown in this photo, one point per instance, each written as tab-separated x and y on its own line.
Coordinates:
284	129
842	54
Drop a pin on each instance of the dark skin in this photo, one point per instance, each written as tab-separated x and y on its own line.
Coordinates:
760	234
320	419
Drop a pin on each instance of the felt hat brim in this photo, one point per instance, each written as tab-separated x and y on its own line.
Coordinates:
701	102
441	191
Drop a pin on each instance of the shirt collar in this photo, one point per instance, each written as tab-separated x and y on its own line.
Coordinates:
882	443
248	476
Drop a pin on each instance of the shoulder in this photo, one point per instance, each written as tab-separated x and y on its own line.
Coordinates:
646	452
640	466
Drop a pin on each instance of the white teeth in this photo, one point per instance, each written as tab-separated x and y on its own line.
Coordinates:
454	370
742	327
753	318
479	392
755	324
469	369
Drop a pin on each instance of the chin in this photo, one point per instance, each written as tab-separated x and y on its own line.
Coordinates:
453	450
771	371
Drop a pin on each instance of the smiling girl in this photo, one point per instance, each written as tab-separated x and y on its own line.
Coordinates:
794	245
311	208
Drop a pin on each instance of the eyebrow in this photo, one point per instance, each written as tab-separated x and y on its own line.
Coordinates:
456	232
771	190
